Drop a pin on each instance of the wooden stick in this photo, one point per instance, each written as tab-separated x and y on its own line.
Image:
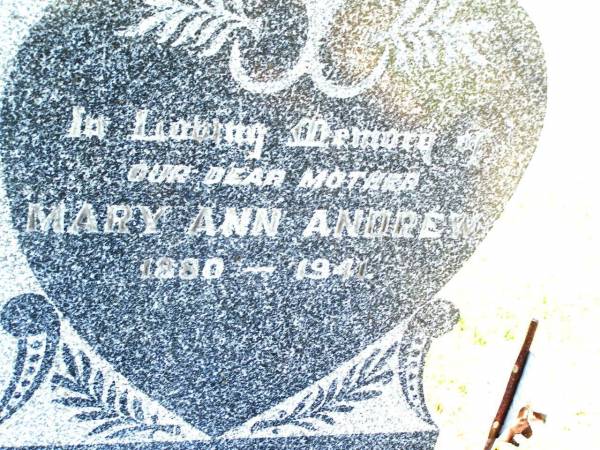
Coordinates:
511	387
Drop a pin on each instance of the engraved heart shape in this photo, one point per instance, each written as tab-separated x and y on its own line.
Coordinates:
224	246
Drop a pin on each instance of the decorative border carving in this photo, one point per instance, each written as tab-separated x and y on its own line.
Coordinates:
433	320
326	402
118	414
35	323
425	33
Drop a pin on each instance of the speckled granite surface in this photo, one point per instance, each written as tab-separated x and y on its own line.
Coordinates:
236	215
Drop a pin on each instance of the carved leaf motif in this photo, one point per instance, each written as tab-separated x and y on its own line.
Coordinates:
69	361
112	395
203	24
66	383
426	34
365	367
77	402
386	357
300	406
307	425
114	410
98	386
138	412
331	391
322	405
86	369
325	418
383	378
340	408
106	426
364	395
123	404
96	415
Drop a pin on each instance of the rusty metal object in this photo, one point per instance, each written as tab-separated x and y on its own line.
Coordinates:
511	387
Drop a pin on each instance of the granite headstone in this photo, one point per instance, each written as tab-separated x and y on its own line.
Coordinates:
238	214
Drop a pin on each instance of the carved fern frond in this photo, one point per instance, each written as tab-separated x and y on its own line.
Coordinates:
115	412
426	33
203	24
361	383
